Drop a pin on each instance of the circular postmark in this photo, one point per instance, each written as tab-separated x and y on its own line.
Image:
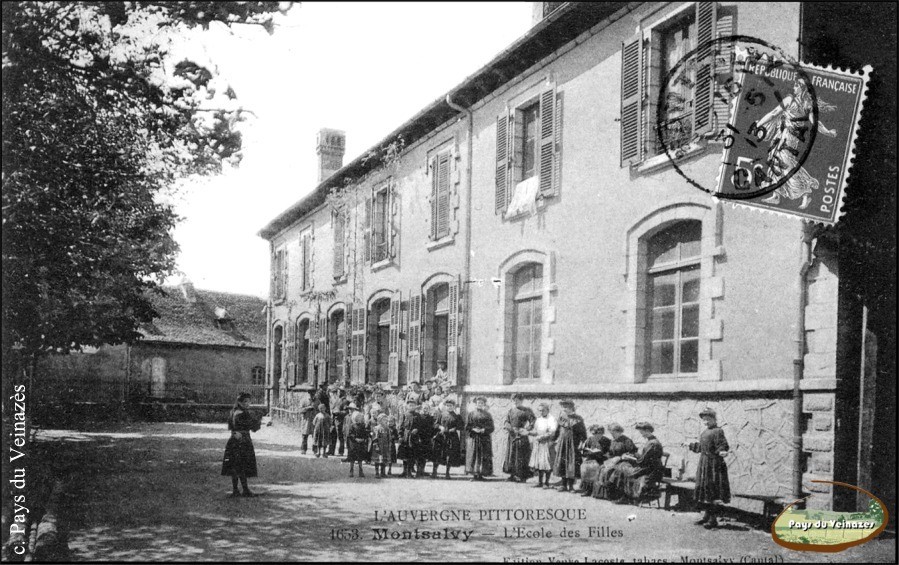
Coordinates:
752	98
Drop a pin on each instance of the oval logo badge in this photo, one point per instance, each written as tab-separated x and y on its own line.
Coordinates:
829	530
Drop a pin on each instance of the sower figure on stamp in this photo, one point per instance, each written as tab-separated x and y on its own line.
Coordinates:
543	452
712	484
447	448
518	425
572	433
239	461
321	431
307	414
478	449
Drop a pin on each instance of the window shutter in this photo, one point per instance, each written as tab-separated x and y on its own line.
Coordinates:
393	361
289	352
338	224
547	141
631	88
433	172
453	326
392	223
724	26
367	239
357	372
310	350
322	350
503	132
442	184
413	365
702	90
276	275
343	352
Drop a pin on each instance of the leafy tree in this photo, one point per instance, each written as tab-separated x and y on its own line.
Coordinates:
99	122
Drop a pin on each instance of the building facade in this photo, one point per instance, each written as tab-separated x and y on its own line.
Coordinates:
529	231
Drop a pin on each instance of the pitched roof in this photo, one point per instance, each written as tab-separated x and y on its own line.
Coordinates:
198	323
554	31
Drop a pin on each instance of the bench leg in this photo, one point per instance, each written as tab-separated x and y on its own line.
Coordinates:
668	498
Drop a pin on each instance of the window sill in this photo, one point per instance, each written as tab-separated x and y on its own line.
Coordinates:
442	242
383	264
663	161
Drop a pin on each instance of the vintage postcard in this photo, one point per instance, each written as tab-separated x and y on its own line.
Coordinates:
498	282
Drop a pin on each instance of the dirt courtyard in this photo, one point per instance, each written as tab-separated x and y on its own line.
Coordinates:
153	492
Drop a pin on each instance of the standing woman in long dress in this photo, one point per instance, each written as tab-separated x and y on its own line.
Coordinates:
518	446
572	434
543	454
479	451
239	461
712	484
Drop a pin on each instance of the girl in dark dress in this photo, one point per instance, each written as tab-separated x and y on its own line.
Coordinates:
240	457
518	424
712	484
357	442
620	445
572	435
594	452
478	447
630	479
447	449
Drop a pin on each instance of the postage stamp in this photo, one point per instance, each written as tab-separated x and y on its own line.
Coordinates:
791	153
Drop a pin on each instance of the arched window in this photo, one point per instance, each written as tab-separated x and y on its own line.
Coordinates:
527	321
336	347
436	328
302	352
378	347
257	375
672	300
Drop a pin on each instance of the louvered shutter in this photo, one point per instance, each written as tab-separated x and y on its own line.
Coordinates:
357	373
413	364
453	327
322	350
724	26
631	111
339	229
366	238
702	89
393	360
309	341
547	142
393	221
343	353
440	196
503	132
289	353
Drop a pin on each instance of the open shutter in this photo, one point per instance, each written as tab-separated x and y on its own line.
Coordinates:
309	341
367	239
702	89
453	327
440	196
413	364
289	351
392	223
724	69
393	361
343	352
547	140
338	223
358	363
503	132
322	350
631	88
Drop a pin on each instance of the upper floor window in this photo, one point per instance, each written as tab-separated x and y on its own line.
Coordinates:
529	140
339	226
279	273
694	103
527	321
440	194
380	224
257	376
306	248
673	279
380	233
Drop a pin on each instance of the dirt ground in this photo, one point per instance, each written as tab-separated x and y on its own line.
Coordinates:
153	492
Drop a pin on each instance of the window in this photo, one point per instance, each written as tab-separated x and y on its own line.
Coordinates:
257	376
306	248
691	108
529	141
436	328
279	274
379	341
337	347
380	224
528	153
303	352
673	279
339	223
440	195
527	321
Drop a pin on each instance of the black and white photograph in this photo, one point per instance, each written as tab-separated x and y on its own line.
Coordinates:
449	281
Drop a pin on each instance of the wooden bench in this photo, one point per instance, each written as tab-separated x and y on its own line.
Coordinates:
772	505
679	488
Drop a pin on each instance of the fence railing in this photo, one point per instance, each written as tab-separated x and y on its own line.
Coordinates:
74	390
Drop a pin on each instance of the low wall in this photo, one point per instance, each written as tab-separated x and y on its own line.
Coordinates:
75	413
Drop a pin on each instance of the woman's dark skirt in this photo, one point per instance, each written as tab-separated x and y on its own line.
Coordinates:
240	457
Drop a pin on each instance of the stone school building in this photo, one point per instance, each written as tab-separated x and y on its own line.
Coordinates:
528	230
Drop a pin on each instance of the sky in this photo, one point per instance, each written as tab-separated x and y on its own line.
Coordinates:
364	68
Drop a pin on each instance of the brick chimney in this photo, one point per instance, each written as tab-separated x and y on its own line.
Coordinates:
330	146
